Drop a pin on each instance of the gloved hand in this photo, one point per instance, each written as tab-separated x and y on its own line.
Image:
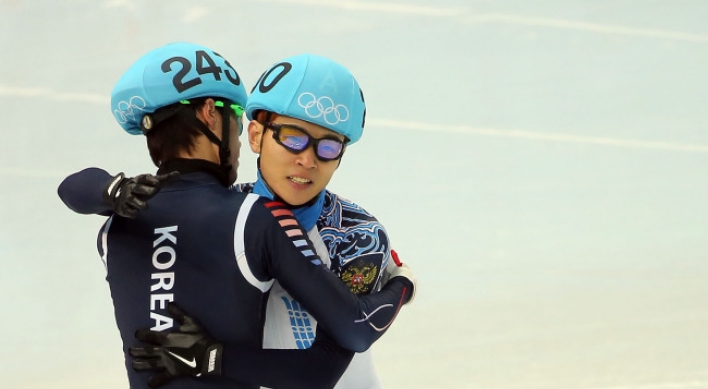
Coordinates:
396	268
127	196
187	351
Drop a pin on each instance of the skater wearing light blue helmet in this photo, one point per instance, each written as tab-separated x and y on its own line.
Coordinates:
177	93
304	111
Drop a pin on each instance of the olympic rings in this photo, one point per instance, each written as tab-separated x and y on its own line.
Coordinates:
126	110
323	106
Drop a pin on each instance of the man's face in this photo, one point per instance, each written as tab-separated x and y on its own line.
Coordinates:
296	178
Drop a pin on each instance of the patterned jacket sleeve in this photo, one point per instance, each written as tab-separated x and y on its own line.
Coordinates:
358	244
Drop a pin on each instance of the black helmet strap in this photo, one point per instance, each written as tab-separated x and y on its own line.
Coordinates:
224	151
223	143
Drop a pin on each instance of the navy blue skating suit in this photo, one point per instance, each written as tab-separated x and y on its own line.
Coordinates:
216	252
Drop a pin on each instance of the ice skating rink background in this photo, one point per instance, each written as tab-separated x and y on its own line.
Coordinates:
541	165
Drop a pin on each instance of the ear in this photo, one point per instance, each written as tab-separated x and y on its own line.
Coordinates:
208	114
255	135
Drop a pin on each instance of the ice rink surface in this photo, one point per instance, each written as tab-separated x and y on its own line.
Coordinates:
541	165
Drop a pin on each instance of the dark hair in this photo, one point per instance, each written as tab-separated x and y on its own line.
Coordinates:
263	117
176	133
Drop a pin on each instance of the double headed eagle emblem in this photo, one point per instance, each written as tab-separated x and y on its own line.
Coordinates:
360	277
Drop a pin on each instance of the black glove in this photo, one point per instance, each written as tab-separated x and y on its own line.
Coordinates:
188	351
127	196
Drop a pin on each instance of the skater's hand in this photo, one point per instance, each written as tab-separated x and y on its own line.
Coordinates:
396	268
127	196
187	351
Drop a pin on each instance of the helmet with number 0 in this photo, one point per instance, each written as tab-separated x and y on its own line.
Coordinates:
314	89
169	74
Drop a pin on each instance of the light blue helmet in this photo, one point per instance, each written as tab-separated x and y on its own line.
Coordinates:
166	75
314	89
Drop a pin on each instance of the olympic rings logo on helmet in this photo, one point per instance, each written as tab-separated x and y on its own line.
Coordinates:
127	110
323	107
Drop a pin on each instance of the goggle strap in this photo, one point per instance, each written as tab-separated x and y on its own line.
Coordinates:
238	110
